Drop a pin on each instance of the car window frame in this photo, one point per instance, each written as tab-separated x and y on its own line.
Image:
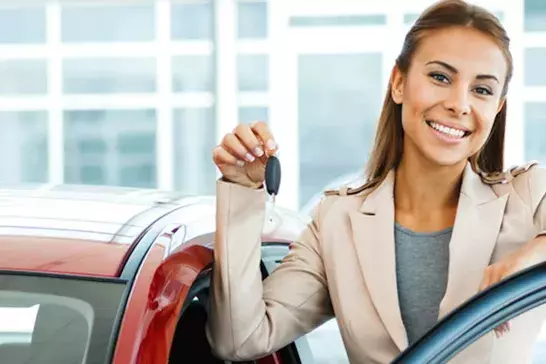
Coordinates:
479	315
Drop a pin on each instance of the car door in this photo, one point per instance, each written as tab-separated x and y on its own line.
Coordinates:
520	299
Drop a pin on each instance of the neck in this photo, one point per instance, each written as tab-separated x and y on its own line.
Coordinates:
423	188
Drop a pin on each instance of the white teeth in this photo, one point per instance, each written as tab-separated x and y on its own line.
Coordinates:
449	131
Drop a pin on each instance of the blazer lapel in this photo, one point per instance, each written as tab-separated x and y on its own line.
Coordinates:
477	225
373	233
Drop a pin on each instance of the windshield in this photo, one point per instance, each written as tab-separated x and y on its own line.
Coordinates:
46	319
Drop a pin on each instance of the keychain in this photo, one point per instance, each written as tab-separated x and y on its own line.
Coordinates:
272	183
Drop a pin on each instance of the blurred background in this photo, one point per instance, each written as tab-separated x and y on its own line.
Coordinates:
137	93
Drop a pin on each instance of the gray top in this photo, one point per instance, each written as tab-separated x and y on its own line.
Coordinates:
422	261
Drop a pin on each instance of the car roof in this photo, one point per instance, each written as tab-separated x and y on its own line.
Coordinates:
77	229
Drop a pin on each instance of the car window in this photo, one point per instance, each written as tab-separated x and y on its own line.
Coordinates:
524	343
56	320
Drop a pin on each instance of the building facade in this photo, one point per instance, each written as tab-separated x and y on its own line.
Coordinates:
137	93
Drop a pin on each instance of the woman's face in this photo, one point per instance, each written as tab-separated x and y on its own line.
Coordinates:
450	94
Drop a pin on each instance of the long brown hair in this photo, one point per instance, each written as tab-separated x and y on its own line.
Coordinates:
388	146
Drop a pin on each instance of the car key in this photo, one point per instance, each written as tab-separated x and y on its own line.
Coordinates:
273	177
272	184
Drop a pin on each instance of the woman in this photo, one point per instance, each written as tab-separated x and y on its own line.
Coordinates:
437	221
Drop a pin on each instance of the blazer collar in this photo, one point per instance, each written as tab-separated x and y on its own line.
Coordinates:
479	216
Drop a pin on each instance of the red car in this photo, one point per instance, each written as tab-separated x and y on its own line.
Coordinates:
112	275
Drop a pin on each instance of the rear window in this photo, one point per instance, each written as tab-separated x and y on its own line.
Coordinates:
45	319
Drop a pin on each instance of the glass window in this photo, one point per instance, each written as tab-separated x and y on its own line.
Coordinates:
410	18
54	320
535	58
333	21
109	75
111	147
108	23
192	21
535	15
253	72
23	137
338	109
252	19
252	114
531	341
194	138
22	25
535	132
23	76
193	74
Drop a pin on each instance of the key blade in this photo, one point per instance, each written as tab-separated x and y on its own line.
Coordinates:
273	176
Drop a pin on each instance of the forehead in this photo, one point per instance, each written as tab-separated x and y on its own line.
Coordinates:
467	49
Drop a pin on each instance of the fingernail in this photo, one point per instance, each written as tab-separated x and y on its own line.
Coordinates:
258	151
271	144
249	157
240	163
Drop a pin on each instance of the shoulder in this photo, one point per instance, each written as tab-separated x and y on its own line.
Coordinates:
527	180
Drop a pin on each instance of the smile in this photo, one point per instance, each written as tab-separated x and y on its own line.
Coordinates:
450	132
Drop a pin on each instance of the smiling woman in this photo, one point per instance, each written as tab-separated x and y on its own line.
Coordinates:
437	220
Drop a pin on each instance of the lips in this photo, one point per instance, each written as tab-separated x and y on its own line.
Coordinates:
448	131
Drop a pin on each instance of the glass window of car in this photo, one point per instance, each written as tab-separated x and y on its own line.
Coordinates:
47	319
530	346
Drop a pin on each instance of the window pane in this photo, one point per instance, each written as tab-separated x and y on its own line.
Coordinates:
22	25
57	320
194	138
253	72
334	21
535	15
535	132
108	23
193	74
252	20
252	114
109	75
111	147
410	18
23	137
338	108
192	21
535	58
23	76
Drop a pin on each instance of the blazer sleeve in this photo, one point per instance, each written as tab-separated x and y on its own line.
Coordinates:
249	318
537	191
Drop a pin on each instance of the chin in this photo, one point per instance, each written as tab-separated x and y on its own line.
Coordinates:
444	158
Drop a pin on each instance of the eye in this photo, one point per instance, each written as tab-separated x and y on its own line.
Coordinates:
484	91
439	77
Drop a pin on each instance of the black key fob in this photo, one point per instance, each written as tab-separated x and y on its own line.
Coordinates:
273	175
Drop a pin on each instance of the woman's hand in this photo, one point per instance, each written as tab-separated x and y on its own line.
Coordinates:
243	153
532	253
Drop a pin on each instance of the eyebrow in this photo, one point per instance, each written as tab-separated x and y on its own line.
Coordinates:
454	70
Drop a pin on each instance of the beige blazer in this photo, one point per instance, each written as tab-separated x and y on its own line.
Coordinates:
343	265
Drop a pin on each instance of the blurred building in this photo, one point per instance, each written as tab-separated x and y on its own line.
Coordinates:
137	93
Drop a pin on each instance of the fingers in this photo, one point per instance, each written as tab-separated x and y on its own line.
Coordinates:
251	142
220	156
235	146
264	134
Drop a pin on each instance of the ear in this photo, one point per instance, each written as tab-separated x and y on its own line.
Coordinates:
397	85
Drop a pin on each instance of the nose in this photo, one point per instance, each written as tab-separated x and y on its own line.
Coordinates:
458	102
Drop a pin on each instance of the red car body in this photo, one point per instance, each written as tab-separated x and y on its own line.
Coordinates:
158	245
